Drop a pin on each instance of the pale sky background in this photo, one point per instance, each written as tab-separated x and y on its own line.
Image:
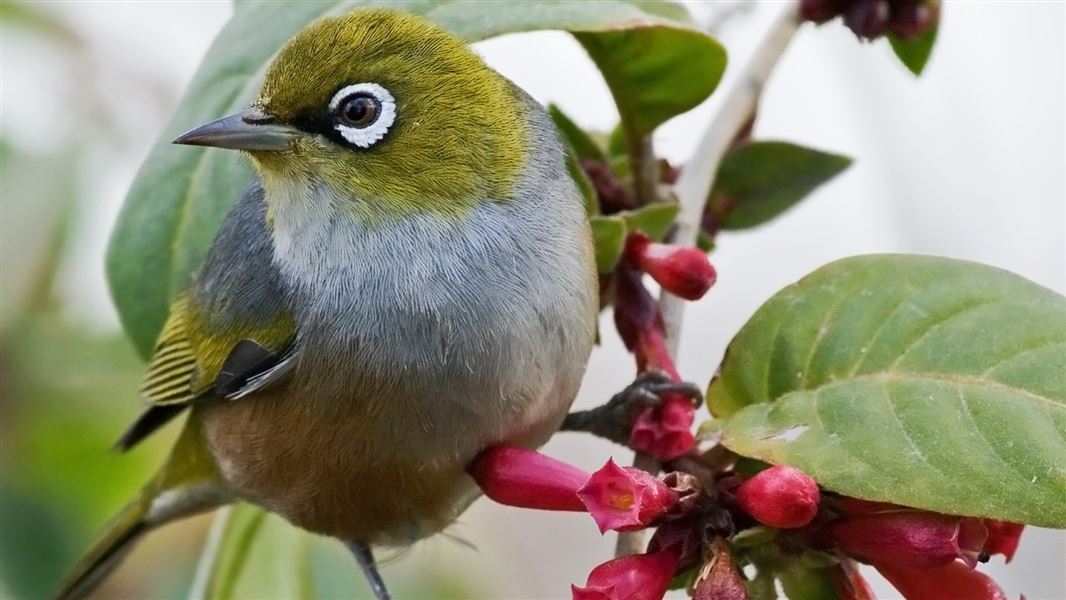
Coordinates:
967	161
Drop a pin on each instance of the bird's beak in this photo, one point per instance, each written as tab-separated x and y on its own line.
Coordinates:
250	129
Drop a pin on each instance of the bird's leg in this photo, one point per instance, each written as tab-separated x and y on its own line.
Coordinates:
365	557
614	420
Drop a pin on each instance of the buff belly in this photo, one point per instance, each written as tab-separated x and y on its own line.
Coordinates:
356	472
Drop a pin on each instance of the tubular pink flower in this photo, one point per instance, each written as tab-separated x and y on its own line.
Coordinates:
634	577
625	499
953	581
1003	537
682	270
528	479
910	538
781	496
665	432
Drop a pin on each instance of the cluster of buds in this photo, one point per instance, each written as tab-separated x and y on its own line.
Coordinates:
871	19
664	432
925	555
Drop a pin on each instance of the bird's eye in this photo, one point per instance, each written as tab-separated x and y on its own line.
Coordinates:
359	110
363	113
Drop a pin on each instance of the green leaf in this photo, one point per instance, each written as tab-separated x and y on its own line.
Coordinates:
580	141
655	75
914	53
259	556
800	583
758	181
923	381
655	220
609	237
181	194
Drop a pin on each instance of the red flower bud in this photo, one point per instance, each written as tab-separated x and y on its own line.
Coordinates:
910	538
868	19
528	479
719	578
952	581
1003	537
781	496
665	432
820	11
635	577
625	499
682	270
911	18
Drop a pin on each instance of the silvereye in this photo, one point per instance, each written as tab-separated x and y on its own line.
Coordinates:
408	280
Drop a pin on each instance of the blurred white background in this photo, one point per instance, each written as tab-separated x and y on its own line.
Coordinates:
967	161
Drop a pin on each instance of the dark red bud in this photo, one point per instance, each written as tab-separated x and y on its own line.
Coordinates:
868	18
781	496
820	11
635	577
719	578
912	18
665	432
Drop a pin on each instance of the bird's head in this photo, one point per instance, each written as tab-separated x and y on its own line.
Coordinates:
383	108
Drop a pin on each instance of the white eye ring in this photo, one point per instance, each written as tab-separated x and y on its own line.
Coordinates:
366	137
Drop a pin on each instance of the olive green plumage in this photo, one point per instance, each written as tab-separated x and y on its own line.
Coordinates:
408	280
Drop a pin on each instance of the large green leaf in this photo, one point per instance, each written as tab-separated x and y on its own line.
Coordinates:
656	64
758	181
923	381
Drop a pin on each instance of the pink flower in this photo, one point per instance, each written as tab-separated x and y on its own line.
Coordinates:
781	496
952	581
682	270
910	538
635	577
1003	537
528	479
665	432
625	499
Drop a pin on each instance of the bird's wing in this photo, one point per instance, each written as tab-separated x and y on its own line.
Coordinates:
230	332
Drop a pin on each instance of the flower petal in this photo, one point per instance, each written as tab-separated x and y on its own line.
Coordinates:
953	581
528	479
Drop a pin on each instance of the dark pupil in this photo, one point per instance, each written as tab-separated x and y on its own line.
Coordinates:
360	110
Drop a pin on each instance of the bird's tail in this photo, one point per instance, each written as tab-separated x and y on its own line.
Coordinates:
187	484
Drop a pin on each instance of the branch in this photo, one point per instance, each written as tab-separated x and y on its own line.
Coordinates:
694	185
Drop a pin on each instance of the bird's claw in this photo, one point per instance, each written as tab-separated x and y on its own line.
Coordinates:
614	420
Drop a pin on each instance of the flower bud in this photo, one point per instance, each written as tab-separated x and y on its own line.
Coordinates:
684	271
781	496
951	581
528	479
820	11
625	499
665	432
634	577
867	18
719	578
910	538
911	18
1003	537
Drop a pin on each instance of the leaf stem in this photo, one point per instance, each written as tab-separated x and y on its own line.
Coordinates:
694	184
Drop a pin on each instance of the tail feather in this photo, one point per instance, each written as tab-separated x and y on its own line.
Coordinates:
106	552
187	484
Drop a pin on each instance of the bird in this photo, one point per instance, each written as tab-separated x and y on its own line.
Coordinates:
407	280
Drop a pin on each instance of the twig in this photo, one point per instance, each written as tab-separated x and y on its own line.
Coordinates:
694	185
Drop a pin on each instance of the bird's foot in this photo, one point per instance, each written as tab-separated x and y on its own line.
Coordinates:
365	557
614	420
